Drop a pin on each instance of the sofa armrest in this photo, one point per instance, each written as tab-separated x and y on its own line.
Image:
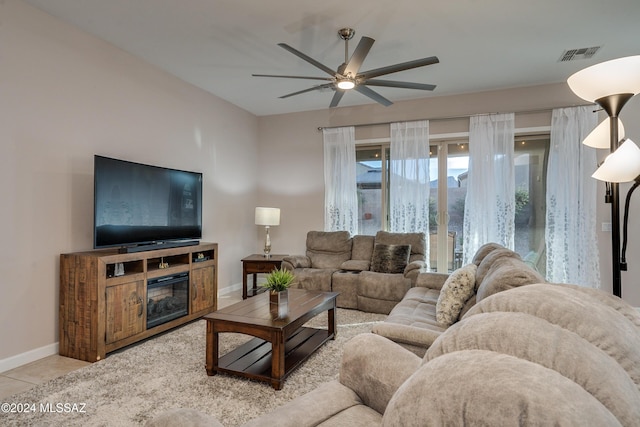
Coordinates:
413	269
406	334
431	280
291	262
374	367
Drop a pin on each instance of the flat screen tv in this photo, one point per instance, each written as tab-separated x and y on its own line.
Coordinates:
136	205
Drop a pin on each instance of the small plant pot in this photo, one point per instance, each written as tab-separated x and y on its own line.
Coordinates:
279	304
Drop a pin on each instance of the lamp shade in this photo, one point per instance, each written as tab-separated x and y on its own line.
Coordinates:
600	137
623	165
607	78
267	216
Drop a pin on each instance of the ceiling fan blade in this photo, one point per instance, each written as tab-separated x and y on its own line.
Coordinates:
328	85
358	56
308	59
336	98
402	85
293	77
373	95
399	67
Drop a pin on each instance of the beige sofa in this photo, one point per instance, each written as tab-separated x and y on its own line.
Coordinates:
541	355
439	300
371	273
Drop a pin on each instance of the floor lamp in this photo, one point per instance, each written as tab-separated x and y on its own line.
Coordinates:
622	166
611	85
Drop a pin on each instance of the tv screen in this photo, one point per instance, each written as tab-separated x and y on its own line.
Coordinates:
138	204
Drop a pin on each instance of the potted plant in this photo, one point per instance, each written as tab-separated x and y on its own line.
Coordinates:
277	284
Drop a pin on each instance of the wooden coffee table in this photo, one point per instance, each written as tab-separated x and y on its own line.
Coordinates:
280	346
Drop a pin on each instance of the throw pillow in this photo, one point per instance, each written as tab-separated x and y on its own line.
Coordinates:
390	258
455	292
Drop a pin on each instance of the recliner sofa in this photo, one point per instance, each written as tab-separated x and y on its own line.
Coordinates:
541	354
439	300
371	273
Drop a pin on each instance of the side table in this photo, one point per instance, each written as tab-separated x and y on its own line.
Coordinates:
257	264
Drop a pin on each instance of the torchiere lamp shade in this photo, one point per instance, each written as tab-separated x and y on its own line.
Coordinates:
600	137
607	78
623	165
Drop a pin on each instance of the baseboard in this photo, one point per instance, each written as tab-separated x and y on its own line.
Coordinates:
230	289
28	357
51	349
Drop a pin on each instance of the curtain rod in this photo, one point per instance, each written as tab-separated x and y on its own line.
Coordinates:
540	110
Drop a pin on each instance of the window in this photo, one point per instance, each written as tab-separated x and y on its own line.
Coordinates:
448	169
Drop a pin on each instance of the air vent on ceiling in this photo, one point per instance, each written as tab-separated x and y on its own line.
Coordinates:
575	54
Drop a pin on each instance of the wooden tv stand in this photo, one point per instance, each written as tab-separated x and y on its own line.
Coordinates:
103	308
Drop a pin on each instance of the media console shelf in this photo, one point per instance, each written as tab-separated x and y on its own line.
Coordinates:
105	303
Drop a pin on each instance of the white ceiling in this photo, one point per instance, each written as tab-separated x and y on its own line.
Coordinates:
482	44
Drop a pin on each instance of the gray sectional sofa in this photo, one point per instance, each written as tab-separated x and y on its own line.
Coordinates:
537	355
439	300
371	273
419	311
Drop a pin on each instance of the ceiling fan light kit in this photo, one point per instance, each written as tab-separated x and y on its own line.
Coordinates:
346	84
347	75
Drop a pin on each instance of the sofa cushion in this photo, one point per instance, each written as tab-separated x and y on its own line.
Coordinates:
329	400
328	249
598	323
505	273
362	247
485	388
534	339
489	259
455	292
608	299
416	240
374	368
412	322
485	250
390	258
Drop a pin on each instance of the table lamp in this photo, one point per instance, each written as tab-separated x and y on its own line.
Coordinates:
267	217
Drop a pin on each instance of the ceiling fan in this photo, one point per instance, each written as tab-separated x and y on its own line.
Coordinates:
348	75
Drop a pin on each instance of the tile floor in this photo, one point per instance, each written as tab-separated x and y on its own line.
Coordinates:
40	371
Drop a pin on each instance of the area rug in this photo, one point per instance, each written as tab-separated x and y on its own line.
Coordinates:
129	387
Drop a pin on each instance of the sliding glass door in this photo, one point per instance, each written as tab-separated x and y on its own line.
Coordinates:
449	171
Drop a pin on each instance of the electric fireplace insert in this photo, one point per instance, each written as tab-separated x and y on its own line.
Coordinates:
167	298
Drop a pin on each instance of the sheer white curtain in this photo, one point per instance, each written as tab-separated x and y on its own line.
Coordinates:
409	177
340	193
489	211
572	247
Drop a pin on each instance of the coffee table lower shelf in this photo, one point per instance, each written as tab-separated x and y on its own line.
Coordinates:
253	359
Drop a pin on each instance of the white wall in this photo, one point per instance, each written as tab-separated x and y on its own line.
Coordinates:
65	96
291	158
